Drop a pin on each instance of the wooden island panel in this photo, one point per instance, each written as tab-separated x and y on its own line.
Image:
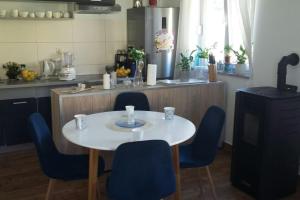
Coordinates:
191	101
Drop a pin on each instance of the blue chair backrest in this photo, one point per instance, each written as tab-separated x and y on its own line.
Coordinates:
42	139
205	144
137	99
142	170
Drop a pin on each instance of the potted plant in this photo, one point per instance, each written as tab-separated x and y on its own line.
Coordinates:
227	51
241	57
202	54
185	64
13	70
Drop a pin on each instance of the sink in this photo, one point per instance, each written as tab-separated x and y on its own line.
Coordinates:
178	81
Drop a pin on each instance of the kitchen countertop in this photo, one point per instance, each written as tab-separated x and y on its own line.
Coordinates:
9	84
121	88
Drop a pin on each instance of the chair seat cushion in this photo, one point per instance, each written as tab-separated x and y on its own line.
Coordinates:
188	159
72	167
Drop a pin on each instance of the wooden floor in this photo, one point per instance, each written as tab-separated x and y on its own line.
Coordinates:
22	179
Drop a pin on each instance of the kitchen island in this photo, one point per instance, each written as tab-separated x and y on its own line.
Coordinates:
191	101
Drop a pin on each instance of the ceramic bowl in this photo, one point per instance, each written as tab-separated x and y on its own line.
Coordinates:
40	14
2	13
23	14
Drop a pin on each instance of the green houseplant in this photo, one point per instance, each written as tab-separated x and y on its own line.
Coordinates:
241	57
185	61
240	54
13	69
202	55
136	54
185	64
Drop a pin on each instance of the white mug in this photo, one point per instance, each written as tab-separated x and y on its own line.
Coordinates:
32	15
23	14
40	14
57	14
15	13
2	13
66	14
130	114
81	86
49	14
80	121
169	113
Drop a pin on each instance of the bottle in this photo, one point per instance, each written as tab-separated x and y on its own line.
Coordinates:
106	81
212	69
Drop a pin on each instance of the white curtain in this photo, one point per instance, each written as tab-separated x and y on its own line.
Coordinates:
189	26
244	10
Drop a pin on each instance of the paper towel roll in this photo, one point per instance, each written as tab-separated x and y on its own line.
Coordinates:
106	81
151	74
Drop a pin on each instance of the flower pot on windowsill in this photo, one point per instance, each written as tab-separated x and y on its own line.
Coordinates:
184	75
241	69
203	61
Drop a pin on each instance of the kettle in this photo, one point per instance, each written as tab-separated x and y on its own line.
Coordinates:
48	68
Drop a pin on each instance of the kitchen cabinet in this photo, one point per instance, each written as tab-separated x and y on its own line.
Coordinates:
44	107
14	116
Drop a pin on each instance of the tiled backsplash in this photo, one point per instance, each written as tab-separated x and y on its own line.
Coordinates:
93	39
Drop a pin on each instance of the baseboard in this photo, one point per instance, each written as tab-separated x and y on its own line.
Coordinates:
14	148
227	147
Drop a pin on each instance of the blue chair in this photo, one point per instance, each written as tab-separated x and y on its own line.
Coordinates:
202	151
138	99
55	165
142	170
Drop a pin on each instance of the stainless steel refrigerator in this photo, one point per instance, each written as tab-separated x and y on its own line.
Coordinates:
155	31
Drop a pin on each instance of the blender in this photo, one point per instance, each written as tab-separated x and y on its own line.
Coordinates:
68	71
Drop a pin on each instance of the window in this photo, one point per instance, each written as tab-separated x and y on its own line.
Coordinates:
221	26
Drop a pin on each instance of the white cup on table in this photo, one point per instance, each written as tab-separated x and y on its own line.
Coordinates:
169	113
130	114
80	121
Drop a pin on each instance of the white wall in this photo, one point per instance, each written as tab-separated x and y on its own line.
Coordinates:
93	39
277	33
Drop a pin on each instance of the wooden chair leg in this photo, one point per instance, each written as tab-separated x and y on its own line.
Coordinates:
50	188
211	182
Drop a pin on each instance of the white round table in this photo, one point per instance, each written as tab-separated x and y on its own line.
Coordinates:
102	133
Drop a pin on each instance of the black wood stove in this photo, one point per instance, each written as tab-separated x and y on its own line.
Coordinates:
265	156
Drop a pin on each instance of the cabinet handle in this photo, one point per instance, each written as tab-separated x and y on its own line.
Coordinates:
20	102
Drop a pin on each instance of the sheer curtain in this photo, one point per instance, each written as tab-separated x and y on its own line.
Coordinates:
240	21
189	26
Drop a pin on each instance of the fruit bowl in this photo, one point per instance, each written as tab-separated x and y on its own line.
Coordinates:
28	75
122	72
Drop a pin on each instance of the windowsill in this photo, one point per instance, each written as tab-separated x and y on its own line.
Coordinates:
245	76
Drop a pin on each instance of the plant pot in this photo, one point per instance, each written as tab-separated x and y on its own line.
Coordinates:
203	61
12	76
241	69
184	75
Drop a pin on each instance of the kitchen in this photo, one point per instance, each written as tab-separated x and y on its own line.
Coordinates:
94	39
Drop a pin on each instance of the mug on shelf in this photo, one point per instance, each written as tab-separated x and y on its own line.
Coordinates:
40	14
49	14
2	13
15	13
57	14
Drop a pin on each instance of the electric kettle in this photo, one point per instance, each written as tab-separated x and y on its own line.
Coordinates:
48	68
